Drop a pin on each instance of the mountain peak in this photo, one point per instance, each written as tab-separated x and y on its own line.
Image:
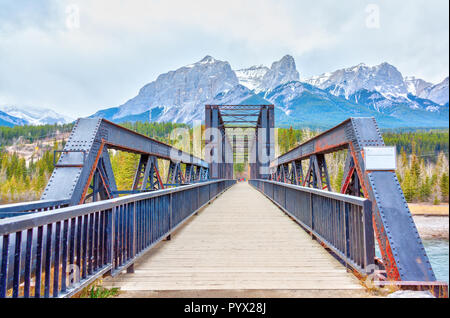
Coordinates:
261	78
287	62
384	78
281	72
208	59
437	93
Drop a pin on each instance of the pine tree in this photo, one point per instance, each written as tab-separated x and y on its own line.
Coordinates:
425	189
444	186
339	178
409	187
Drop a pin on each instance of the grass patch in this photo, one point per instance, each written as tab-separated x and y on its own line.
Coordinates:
95	290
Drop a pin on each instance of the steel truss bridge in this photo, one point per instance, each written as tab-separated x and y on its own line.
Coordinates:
84	227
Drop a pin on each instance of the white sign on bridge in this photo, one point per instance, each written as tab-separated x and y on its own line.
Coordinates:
380	158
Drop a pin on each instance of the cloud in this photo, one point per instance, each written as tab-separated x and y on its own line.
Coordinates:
47	60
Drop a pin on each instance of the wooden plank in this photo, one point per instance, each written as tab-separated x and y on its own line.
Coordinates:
242	241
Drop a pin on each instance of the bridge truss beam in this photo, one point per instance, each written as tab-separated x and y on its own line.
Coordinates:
84	172
404	256
223	146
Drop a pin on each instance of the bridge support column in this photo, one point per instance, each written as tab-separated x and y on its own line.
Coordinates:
175	174
296	174
350	182
147	177
214	142
317	175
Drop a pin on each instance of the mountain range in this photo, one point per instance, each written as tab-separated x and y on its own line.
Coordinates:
380	91
322	101
26	115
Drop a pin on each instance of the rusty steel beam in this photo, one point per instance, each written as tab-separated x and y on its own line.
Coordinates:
404	256
85	164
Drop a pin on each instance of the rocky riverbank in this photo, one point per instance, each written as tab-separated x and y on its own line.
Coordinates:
432	227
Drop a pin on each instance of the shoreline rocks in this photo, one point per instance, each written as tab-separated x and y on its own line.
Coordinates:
432	227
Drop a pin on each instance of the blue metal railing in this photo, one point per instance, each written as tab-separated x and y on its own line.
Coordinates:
342	222
57	253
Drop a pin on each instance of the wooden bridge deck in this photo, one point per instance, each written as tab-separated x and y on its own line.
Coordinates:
242	241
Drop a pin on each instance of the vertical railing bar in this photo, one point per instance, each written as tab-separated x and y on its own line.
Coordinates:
96	240
27	273
56	260
127	222
119	235
72	241
38	270
369	241
48	255
101	239
134	231
360	237
123	238
4	266
16	276
79	243
111	237
85	245
344	210
170	212
64	255
90	244
145	222
130	230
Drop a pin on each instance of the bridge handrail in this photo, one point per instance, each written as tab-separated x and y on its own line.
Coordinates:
345	226
92	239
16	209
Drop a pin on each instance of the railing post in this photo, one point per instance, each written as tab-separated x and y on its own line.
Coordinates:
112	238
168	238
311	213
273	191
346	233
344	215
130	268
369	244
198	199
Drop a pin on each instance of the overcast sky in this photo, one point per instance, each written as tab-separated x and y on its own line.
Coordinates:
79	56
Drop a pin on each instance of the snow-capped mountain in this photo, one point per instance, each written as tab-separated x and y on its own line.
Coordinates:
383	88
252	77
298	103
379	91
177	95
415	85
9	121
262	78
35	116
437	93
383	78
281	72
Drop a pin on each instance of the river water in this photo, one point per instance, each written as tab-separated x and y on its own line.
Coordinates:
437	251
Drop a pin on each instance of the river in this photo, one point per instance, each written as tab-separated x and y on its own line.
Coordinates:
437	251
438	254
